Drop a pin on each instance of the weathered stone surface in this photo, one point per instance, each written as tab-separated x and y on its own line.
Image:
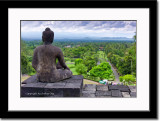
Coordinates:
75	77
32	79
116	86
122	88
103	93
103	96
54	89
116	93
72	90
72	85
88	95
74	80
89	91
102	88
33	90
66	88
132	88
44	60
112	92
22	84
63	81
90	87
133	94
125	94
55	85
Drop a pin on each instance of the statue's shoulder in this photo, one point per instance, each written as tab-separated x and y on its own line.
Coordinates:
50	46
57	48
39	47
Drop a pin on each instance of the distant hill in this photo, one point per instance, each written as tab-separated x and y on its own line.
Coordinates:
85	39
116	38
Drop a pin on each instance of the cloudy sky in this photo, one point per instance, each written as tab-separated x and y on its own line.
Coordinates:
78	29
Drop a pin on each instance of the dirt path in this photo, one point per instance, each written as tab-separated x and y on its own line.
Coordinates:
115	73
86	81
24	77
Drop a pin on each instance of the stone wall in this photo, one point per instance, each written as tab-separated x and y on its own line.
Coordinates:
92	90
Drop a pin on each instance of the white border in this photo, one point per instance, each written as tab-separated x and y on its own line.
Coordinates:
104	104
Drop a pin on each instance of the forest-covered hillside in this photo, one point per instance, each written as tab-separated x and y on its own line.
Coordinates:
89	59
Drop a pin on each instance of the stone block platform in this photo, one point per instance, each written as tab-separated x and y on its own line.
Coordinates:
71	87
109	91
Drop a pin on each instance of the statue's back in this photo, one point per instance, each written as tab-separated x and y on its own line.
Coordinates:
44	60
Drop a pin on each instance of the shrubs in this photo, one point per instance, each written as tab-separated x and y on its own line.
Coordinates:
111	77
65	59
26	66
81	69
127	79
78	61
94	74
103	71
121	78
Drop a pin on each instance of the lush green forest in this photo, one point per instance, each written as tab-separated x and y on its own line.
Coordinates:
90	58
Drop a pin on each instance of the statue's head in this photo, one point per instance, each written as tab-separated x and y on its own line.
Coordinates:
47	36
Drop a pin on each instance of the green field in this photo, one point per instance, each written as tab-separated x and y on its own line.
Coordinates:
72	68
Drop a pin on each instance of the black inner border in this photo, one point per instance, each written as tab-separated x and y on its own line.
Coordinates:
152	5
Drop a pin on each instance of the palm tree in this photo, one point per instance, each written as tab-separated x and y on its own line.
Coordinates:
135	37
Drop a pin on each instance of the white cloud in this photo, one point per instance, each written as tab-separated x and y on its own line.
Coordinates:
87	27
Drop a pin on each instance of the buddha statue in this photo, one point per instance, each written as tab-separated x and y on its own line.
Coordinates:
44	60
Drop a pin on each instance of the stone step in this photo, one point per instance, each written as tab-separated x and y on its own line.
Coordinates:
90	87
116	93
108	91
103	93
133	94
126	94
102	88
122	88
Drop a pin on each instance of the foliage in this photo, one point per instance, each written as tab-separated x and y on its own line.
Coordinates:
122	54
127	79
125	64
103	71
81	69
121	78
111	77
26	66
66	59
72	68
78	61
90	60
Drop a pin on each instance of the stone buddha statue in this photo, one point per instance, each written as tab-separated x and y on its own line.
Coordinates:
44	60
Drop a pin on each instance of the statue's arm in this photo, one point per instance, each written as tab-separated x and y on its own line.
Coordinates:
58	66
35	60
61	60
